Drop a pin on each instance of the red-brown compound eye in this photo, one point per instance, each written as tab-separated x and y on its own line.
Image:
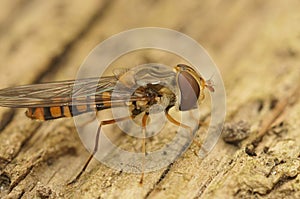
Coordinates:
189	91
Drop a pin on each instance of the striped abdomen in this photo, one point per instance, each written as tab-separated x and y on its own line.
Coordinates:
54	112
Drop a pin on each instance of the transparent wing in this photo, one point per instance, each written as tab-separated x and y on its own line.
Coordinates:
62	93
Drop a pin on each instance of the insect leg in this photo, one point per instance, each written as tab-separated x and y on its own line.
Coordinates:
172	120
102	123
144	123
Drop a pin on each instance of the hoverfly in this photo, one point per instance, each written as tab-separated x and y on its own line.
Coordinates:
48	101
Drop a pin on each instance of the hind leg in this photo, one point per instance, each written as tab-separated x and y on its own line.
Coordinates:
102	123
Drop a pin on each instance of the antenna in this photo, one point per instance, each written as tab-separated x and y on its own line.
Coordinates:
210	84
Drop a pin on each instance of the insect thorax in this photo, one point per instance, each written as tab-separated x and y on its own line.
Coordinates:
159	99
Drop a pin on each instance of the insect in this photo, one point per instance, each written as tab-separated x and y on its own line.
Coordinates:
48	101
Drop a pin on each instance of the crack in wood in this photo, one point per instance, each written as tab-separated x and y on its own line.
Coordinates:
5	161
203	188
21	177
271	117
276	163
4	181
231	163
39	158
7	117
162	176
21	194
282	180
24	142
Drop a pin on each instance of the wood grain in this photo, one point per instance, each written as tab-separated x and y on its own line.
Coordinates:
256	45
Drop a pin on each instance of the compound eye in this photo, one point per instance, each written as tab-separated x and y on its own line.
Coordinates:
189	91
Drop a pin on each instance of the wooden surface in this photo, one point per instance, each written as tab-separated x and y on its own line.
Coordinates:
256	45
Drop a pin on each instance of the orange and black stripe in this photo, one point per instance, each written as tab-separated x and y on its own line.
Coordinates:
55	112
49	113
